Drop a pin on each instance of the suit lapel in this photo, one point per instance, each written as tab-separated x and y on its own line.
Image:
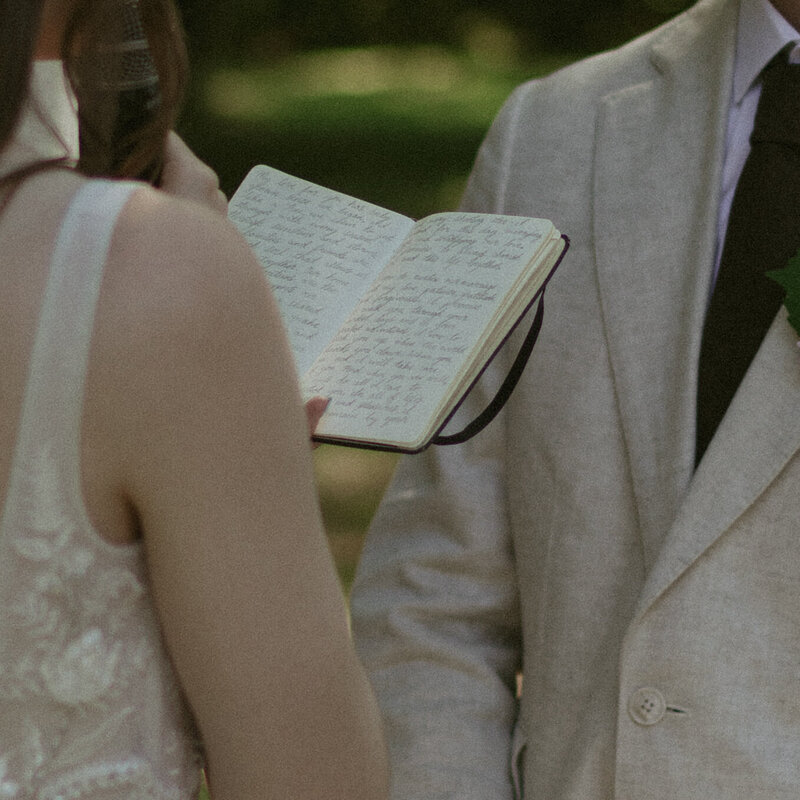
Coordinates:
657	169
755	440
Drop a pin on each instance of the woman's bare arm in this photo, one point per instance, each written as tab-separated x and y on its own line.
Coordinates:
212	456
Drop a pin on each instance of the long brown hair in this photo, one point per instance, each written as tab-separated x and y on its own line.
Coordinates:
19	27
91	45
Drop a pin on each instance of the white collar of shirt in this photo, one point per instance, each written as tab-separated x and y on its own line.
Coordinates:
762	32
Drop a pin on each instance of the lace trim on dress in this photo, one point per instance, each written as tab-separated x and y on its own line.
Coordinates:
90	663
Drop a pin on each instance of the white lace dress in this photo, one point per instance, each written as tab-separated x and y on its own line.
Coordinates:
89	705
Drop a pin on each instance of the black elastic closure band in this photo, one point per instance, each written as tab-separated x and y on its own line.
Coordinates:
504	392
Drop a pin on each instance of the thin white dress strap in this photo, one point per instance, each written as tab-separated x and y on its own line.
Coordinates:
53	400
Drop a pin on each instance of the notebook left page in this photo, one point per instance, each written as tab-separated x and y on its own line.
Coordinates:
320	250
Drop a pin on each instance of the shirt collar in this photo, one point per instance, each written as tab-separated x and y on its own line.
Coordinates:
761	34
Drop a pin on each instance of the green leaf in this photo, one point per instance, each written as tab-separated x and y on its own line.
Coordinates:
789	278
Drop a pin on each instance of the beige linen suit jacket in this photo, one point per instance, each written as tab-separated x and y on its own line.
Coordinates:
653	611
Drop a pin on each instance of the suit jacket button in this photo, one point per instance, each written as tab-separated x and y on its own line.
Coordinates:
646	706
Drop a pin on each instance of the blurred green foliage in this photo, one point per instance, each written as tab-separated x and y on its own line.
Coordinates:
395	125
384	100
274	28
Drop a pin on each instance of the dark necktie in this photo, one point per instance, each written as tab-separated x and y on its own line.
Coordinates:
763	233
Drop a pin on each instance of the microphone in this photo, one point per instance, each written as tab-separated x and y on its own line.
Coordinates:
139	96
117	97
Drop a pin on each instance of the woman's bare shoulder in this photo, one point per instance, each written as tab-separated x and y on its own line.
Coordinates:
166	239
163	249
174	263
185	323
